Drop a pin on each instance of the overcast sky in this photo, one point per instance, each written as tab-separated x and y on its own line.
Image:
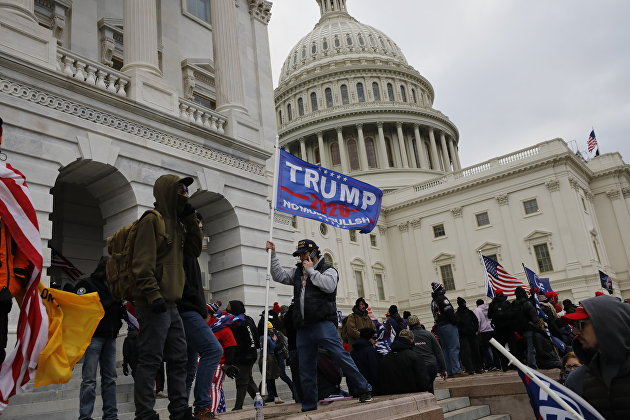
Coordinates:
508	73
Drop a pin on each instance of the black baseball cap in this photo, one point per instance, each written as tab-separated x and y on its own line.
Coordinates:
186	181
305	245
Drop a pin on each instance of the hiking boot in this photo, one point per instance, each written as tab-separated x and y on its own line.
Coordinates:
366	397
205	414
278	400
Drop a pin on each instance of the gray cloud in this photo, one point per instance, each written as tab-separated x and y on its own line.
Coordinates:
508	73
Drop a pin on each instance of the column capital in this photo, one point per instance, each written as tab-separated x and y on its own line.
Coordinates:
399	124
379	124
339	130
359	126
416	126
301	139
320	134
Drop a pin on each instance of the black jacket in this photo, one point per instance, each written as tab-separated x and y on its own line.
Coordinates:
246	336
443	311
111	322
500	313
365	357
428	347
290	328
467	322
395	323
402	371
193	297
318	305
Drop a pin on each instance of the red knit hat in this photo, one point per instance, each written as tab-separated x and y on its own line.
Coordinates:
276	307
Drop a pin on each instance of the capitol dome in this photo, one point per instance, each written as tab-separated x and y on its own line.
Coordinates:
348	100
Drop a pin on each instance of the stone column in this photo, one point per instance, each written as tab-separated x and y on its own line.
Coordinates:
343	153
303	149
384	164
323	158
447	162
423	160
141	43
227	61
434	153
362	150
459	164
401	145
412	152
451	147
23	8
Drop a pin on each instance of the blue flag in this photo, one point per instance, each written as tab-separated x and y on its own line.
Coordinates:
536	283
545	408
317	193
606	282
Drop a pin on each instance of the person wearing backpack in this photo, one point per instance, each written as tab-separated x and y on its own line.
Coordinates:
394	324
204	350
162	238
245	355
500	314
524	321
102	349
468	326
446	328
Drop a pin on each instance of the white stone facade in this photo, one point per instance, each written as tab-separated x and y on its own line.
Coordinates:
541	206
95	112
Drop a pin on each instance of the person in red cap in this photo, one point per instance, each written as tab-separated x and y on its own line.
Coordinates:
602	325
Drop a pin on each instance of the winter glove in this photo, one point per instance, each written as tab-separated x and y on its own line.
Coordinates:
125	370
158	306
188	210
231	371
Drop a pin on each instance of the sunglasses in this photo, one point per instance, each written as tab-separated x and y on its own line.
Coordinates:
581	323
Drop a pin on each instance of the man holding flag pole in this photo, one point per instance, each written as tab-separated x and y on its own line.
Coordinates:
311	191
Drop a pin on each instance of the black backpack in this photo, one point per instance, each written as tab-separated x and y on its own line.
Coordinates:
282	346
502	315
519	319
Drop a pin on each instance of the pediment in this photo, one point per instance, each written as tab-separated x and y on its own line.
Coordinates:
537	234
443	256
488	245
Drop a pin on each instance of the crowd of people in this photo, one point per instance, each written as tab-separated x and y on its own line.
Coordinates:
175	337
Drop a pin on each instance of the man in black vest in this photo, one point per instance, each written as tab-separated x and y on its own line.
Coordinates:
315	316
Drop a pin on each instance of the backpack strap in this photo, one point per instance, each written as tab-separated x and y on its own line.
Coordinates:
161	225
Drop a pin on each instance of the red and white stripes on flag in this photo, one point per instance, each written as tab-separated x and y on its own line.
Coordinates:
19	217
58	260
592	141
500	280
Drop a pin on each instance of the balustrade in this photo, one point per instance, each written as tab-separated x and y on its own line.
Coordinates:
201	116
91	73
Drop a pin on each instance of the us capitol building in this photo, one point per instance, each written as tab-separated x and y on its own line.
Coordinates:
348	99
99	98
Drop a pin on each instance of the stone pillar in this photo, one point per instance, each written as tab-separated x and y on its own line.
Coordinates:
384	164
227	61
412	152
362	151
323	158
447	162
459	164
141	43
303	149
401	145
343	153
23	8
434	153
451	147
423	160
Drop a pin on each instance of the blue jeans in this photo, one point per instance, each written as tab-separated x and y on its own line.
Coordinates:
201	342
450	346
309	339
531	349
101	351
282	366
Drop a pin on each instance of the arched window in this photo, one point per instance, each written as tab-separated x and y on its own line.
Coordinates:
337	42
335	157
360	92
289	112
413	94
328	259
325	44
370	150
329	98
361	41
382	43
376	91
280	117
348	39
318	158
372	42
344	94
314	48
403	93
390	92
304	52
390	154
313	101
353	155
295	58
300	106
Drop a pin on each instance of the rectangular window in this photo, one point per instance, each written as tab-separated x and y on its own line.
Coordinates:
379	286
353	235
543	258
373	240
482	219
447	277
584	204
358	277
530	206
438	231
204	101
199	8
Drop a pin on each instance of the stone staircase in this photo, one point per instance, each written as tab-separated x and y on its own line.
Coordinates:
61	402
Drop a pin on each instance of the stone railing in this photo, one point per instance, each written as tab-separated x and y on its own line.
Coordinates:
201	116
92	73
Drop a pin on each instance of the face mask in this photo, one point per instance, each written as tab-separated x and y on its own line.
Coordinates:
181	203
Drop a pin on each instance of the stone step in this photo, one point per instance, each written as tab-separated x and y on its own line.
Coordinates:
442	394
474	412
454	403
497	417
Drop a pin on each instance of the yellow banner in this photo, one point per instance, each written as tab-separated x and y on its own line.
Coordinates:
72	322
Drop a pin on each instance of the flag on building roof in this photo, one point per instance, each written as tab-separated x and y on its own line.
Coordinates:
58	260
606	282
592	143
546	408
497	278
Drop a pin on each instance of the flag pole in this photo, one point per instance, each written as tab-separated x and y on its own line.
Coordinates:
514	361
263	390
487	281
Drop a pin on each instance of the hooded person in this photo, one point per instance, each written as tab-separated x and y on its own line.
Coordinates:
446	328
525	320
357	320
365	355
394	324
601	325
158	267
402	371
500	314
468	327
428	347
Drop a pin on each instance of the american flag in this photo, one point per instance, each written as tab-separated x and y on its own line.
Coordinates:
592	141
499	279
18	216
58	260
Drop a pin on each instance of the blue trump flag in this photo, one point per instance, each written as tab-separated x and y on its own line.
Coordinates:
536	283
317	193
